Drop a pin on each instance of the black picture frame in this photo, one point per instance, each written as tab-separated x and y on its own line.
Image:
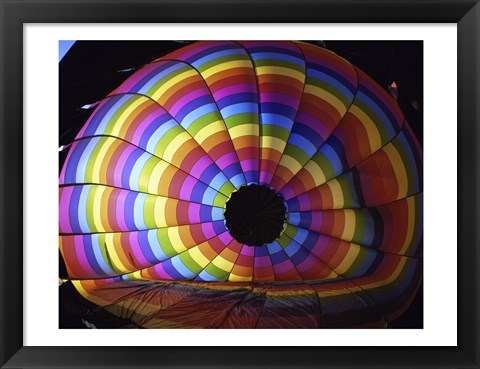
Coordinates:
15	13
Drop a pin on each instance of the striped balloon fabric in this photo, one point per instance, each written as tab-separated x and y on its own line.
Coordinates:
147	184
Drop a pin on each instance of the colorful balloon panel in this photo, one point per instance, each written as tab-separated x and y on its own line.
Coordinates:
146	183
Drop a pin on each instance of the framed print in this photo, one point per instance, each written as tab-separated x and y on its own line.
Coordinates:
239	185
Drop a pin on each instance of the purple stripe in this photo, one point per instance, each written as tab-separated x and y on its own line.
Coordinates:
247	250
144	125
187	187
194	212
135	246
120	209
64	213
262	261
283	267
225	238
82	256
313	124
121	164
235	89
184	100
208	230
143	75
226	160
200	166
266	97
249	164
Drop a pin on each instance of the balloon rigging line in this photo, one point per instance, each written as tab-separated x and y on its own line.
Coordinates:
360	208
151	265
334	129
347	169
218	110
259	107
297	110
173	119
350	242
153	155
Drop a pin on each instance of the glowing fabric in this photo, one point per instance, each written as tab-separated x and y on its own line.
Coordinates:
144	187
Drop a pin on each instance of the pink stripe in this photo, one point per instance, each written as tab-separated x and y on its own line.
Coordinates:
320	247
225	238
262	261
248	250
265	177
137	77
187	188
227	159
121	210
188	98
63	211
135	246
280	98
287	192
208	230
194	212
234	89
314	124
251	164
307	264
283	267
145	123
161	272
200	166
121	165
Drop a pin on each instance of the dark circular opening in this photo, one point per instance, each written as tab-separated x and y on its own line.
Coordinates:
254	215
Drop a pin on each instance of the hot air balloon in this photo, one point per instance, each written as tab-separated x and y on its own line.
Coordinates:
253	184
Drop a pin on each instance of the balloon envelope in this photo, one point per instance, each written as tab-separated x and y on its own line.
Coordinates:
151	177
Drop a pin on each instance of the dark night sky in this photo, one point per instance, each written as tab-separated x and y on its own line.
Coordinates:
90	70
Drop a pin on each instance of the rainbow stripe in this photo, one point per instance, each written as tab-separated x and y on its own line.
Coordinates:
144	186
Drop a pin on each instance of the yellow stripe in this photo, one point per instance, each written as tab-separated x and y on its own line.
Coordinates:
282	71
106	143
112	253
238	278
173	146
337	192
349	259
98	208
316	172
410	226
96	300
247	129
270	142
198	257
175	239
155	176
172	82
290	163
209	130
399	169
118	125
225	66
390	279
222	263
350	223
372	131
327	96
159	211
